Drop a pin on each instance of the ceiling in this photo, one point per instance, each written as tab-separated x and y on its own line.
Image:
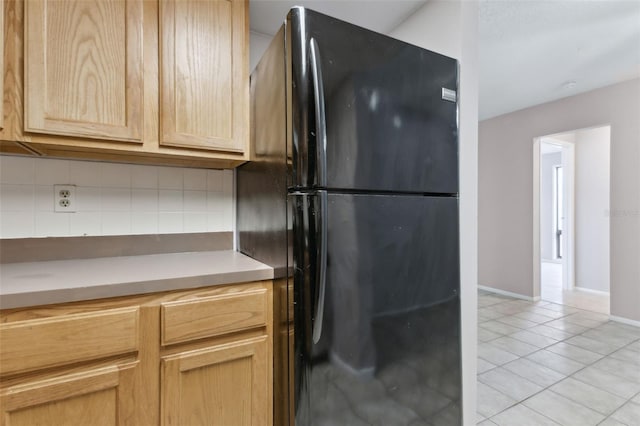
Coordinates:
377	15
530	52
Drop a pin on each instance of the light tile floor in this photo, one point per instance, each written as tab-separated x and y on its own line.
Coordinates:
551	290
544	363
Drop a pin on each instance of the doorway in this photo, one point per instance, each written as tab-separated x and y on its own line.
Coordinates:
556	195
571	223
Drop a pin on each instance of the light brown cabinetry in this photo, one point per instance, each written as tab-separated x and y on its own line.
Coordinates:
2	61
196	357
208	378
41	380
147	81
102	396
204	101
83	68
53	341
218	385
283	384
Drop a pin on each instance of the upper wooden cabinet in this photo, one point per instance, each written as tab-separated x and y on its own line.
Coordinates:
204	102
83	68
146	81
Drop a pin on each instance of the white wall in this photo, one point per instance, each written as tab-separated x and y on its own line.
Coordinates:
592	208
112	199
506	192
547	228
258	44
450	28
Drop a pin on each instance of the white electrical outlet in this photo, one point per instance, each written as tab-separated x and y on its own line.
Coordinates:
64	198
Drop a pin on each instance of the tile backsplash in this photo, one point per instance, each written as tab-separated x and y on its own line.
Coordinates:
112	199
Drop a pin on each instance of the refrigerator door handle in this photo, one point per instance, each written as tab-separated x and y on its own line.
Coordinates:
322	270
321	126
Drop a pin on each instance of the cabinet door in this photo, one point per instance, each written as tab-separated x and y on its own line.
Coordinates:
2	64
103	396
204	67
83	68
218	386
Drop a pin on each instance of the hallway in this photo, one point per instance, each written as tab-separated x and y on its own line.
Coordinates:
551	291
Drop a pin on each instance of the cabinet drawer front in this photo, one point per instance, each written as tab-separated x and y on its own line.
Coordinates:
34	344
183	321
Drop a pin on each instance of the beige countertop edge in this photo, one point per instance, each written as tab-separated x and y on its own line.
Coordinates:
43	283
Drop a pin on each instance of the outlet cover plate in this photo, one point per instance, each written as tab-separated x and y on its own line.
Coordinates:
64	198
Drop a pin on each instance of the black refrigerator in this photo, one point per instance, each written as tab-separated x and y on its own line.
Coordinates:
351	195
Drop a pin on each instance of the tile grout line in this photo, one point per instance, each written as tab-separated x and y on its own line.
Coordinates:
587	329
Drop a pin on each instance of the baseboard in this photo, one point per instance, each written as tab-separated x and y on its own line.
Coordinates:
624	320
588	290
510	294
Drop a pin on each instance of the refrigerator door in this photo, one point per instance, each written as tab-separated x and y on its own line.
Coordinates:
376	342
370	112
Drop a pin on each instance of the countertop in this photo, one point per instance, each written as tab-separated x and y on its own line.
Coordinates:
39	283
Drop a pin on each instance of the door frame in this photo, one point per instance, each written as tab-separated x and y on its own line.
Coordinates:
568	236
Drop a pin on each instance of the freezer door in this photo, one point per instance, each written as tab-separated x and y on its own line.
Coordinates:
370	112
377	341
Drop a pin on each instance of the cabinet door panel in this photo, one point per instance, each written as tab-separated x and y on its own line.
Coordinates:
2	64
98	397
218	386
83	68
205	85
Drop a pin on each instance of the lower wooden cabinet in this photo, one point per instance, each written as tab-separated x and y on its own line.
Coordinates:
35	344
217	386
283	384
136	361
101	396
